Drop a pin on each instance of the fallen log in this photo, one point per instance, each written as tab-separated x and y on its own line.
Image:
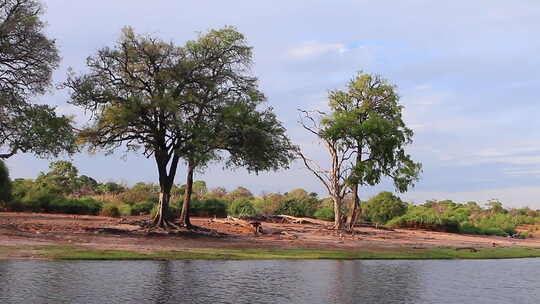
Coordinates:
252	225
302	220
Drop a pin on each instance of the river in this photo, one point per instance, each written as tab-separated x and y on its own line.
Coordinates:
271	281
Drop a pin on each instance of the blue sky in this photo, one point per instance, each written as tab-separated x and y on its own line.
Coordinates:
467	73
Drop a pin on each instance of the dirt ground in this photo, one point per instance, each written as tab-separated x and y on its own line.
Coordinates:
29	229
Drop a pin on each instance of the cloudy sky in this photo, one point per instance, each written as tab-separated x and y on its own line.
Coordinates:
468	74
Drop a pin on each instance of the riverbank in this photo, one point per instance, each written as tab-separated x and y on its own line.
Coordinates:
392	253
67	237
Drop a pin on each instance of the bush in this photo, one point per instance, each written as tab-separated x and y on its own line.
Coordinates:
143	207
304	207
292	207
208	207
39	200
425	218
383	207
110	210
325	213
242	208
86	206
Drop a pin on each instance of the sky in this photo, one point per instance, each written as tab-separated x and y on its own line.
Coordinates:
467	73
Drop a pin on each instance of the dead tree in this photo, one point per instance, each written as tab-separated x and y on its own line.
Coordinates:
334	178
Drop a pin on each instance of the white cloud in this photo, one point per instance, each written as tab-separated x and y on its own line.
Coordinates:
313	49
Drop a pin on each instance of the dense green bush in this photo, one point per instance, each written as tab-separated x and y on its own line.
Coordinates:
86	206
39	200
296	207
383	207
208	207
325	213
425	218
242	207
143	207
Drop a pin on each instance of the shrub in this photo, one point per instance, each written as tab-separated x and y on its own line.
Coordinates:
292	207
143	207
242	207
208	207
425	218
125	209
325	213
268	204
39	200
110	210
75	206
383	207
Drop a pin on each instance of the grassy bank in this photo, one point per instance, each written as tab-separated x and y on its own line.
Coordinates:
79	253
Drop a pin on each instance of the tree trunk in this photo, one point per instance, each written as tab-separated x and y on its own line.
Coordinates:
165	183
354	210
160	219
184	216
338	221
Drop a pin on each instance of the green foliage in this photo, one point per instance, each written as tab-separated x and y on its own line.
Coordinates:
110	188
269	204
367	118
240	192
464	218
86	206
208	207
27	60
242	207
143	207
383	207
300	207
325	213
63	175
5	185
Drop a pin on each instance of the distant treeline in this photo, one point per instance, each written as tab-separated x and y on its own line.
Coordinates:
63	190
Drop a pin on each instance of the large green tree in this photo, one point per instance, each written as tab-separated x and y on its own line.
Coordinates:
230	124
27	60
177	103
367	120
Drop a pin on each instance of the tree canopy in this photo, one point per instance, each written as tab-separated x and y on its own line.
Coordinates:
180	103
27	60
366	137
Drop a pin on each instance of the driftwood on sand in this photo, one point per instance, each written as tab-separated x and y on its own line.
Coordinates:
252	225
303	220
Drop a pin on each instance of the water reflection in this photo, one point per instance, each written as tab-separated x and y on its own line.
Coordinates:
501	281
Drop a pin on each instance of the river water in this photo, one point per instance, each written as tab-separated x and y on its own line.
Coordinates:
272	281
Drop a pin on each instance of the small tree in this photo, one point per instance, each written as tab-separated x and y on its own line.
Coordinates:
27	59
63	175
383	207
